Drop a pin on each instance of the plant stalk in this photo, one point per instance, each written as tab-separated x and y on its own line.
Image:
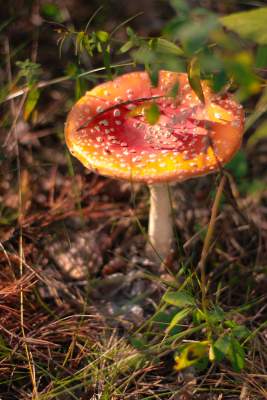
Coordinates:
207	241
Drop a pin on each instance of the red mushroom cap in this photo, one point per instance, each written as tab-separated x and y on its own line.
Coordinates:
109	133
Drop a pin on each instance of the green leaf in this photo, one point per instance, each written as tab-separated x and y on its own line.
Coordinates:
181	6
179	299
260	133
222	347
236	355
178	317
152	113
261	57
103	36
51	11
138	343
79	42
153	71
130	32
216	315
198	316
127	46
31	102
194	33
174	90
194	79
165	46
80	88
191	354
144	55
72	70
259	110
241	67
212	356
241	332
249	24
29	70
219	80
106	60
238	165
228	347
161	319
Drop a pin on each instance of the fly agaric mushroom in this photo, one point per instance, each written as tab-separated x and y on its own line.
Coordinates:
107	130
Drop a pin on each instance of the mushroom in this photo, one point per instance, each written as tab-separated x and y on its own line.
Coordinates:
107	130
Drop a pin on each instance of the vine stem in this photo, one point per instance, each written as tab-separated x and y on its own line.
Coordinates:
61	79
207	241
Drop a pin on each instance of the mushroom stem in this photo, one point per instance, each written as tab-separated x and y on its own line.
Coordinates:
160	231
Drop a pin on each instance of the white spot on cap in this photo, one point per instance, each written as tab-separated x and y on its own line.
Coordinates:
103	122
99	109
116	112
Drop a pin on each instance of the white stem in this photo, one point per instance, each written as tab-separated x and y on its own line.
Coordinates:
160	231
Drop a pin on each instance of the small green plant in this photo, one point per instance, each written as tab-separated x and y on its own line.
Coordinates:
223	335
30	73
